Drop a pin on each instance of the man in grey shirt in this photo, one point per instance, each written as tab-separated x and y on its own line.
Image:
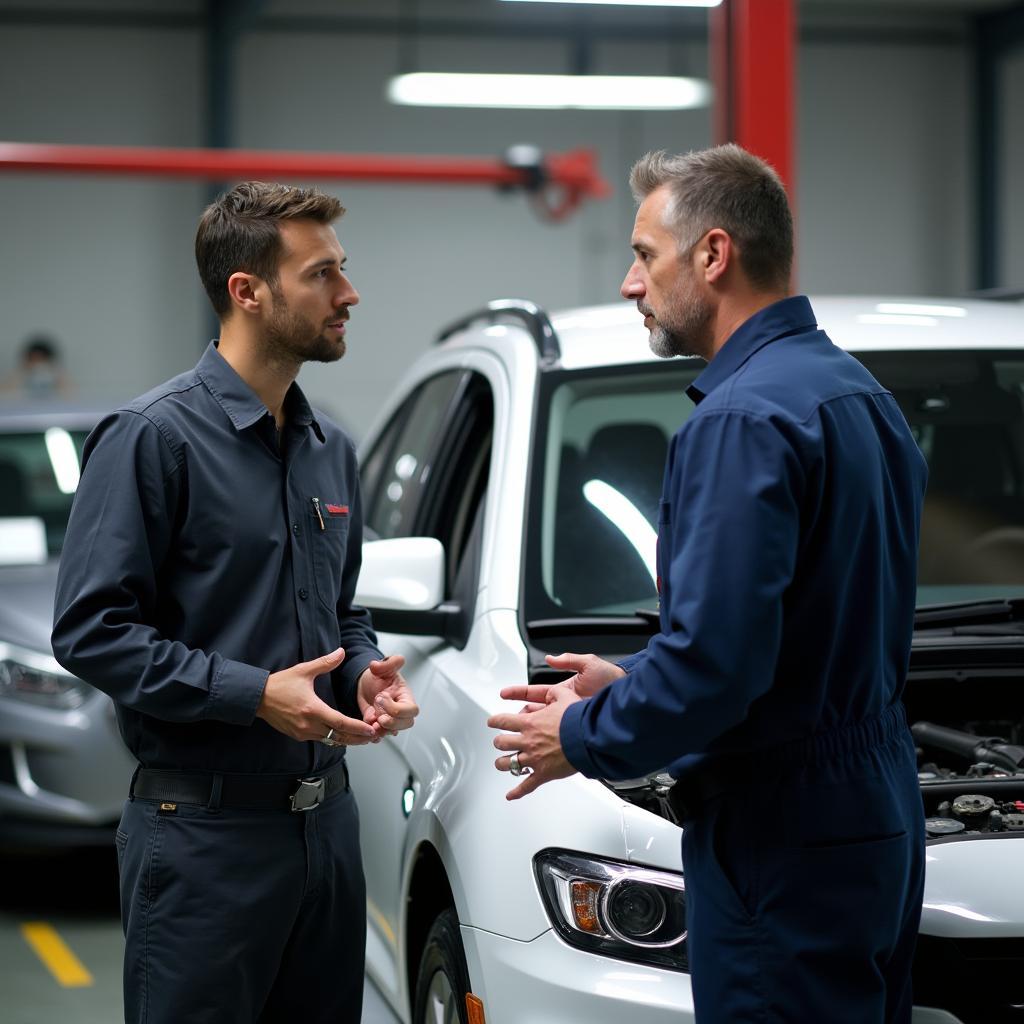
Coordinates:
207	585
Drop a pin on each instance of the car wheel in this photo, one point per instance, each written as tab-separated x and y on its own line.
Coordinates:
443	979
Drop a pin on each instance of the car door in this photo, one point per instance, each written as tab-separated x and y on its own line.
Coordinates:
424	476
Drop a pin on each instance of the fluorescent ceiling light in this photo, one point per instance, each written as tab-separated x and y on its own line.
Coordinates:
634	3
553	92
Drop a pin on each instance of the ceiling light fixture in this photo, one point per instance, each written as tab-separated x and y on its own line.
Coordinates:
549	92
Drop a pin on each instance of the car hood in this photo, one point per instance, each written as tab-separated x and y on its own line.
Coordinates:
26	605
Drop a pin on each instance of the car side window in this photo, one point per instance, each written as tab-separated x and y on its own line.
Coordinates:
453	501
399	464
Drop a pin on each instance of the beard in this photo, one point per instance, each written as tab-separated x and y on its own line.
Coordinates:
685	329
292	337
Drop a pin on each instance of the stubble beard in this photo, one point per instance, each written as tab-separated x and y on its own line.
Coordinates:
685	330
292	337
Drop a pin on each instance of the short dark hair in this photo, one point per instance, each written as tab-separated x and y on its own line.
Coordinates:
239	232
725	187
40	345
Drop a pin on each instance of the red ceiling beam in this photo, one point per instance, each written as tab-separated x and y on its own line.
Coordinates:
753	53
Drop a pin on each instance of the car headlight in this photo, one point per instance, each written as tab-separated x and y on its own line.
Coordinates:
616	909
37	678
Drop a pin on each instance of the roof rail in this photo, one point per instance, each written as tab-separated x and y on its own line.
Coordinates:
531	316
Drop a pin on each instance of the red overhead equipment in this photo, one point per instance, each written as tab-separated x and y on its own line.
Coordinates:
560	182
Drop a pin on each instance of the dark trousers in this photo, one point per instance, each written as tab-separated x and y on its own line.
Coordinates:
242	916
804	893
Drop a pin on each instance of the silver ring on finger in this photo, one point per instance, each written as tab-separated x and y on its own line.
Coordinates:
515	767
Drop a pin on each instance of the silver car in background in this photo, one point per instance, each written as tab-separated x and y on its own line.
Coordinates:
64	770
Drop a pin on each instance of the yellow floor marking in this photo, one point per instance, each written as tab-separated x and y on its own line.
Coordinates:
55	954
382	922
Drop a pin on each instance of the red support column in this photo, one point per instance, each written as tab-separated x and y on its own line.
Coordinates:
753	50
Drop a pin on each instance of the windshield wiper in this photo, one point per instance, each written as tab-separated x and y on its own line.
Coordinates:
998	617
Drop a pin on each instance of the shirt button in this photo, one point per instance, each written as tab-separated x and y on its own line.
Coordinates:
303	594
295	529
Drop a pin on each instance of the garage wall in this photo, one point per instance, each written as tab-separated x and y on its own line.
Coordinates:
106	263
102	263
884	163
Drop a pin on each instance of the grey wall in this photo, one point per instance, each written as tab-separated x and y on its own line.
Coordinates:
105	263
884	159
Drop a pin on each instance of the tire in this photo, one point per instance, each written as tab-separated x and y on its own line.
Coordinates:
443	979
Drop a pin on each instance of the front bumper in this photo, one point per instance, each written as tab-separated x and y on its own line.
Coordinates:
64	774
545	981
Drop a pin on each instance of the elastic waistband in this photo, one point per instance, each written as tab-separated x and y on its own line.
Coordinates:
245	792
719	775
876	731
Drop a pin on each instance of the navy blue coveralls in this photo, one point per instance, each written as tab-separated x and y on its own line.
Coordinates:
787	555
203	553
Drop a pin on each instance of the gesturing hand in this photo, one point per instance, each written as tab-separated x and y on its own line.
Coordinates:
534	735
291	706
592	674
384	697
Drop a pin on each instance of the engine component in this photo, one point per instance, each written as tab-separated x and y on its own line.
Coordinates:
943	826
993	749
972	809
1013	822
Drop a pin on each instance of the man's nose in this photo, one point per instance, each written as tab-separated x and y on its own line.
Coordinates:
632	287
347	294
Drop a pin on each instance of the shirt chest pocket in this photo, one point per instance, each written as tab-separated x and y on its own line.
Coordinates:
329	524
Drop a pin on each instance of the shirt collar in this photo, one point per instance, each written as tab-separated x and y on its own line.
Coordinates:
787	316
241	404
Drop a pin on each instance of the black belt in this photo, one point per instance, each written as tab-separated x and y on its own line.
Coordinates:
249	792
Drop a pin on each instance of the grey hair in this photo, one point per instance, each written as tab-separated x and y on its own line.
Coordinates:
724	187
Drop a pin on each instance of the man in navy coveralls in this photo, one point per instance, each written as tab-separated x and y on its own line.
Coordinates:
787	556
207	585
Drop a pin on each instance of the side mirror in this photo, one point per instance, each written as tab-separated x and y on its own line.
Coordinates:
402	585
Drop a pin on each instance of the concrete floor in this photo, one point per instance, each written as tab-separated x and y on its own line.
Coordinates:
75	895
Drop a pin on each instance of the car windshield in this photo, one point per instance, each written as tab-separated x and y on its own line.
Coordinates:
604	436
38	476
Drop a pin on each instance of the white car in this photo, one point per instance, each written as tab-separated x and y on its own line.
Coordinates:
511	494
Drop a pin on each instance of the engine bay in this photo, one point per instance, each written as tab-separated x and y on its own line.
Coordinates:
972	779
971	771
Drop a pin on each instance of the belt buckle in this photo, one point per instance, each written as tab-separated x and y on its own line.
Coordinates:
310	794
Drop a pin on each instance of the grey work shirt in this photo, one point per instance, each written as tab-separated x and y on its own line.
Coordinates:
205	551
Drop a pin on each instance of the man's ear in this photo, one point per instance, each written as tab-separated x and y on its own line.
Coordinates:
717	255
247	291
